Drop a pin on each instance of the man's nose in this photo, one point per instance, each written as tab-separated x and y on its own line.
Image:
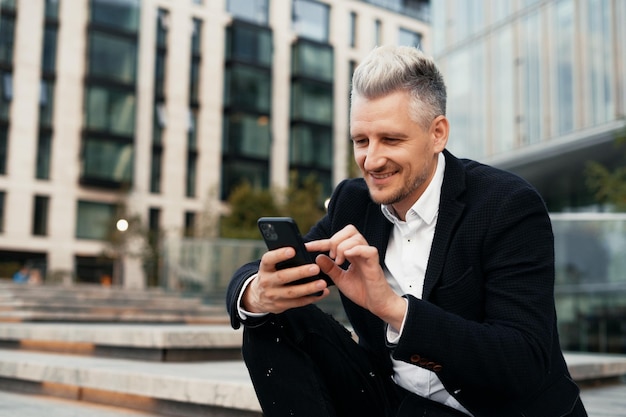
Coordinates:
374	158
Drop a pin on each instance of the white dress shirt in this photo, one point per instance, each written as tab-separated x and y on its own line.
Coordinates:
405	267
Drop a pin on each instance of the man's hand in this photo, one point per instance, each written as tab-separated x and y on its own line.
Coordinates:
272	292
364	281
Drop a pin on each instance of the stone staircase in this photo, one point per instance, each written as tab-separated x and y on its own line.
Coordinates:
149	353
94	303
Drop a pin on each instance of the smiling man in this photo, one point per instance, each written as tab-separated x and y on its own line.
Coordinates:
445	269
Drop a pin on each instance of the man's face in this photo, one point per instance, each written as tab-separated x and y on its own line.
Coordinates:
396	155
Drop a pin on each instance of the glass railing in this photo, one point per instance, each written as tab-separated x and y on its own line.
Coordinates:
590	289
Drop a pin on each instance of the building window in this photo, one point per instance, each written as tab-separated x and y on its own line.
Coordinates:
255	11
311	135
116	14
7	31
353	29
40	215
247	135
95	220
378	29
190	223
107	163
48	61
159	116
110	88
112	57
312	61
247	100
312	101
409	38
564	63
46	101
4	133
192	118
248	88
44	152
2	200
110	110
310	20
249	44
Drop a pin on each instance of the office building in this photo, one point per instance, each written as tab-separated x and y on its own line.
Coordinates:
153	110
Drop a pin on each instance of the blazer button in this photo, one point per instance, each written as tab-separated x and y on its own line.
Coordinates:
437	368
415	358
430	365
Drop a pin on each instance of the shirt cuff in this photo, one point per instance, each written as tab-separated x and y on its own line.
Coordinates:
393	335
243	314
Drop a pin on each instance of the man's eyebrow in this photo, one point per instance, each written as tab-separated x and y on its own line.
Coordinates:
399	135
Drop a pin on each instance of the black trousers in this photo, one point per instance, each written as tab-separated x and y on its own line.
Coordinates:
303	363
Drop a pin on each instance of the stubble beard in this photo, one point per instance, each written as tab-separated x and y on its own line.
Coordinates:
405	191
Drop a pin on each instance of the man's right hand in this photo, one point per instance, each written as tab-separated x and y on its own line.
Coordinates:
272	292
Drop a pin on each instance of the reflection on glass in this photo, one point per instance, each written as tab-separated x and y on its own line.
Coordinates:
112	57
110	110
311	146
107	160
94	220
310	20
502	77
564	57
313	61
590	289
116	14
255	11
312	102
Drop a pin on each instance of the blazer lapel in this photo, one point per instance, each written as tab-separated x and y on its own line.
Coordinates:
450	210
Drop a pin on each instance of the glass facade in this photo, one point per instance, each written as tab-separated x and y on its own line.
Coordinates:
7	32
246	123
590	266
546	79
108	138
255	11
536	77
47	89
159	119
310	20
311	136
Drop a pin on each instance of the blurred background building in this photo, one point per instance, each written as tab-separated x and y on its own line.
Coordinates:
152	111
538	87
158	108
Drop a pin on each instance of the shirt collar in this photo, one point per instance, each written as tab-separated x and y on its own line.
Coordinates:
427	206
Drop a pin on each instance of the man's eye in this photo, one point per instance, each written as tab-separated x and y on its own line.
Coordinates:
360	142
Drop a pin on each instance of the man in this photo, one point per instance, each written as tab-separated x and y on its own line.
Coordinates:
445	269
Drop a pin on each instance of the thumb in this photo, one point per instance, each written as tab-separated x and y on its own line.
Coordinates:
328	267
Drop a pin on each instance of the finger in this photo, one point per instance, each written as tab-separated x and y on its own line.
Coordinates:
271	258
329	267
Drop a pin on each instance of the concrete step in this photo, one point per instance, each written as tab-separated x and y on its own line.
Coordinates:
30	405
186	389
219	388
94	303
156	342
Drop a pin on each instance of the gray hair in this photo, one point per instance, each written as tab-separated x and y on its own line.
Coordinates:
388	69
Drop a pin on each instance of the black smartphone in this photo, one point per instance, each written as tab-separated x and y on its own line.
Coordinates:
280	232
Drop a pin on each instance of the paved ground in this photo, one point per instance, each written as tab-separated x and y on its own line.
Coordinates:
604	401
25	405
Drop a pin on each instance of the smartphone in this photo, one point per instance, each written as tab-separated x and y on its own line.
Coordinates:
280	232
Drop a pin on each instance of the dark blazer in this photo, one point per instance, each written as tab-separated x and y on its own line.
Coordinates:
486	323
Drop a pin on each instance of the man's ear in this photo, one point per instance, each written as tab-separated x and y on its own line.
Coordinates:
439	130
